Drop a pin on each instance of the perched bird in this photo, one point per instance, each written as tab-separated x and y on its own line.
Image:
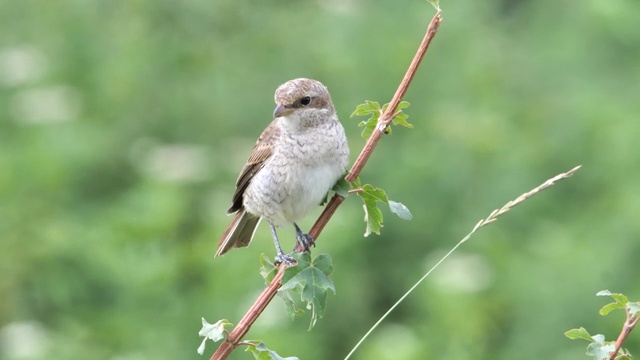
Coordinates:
295	162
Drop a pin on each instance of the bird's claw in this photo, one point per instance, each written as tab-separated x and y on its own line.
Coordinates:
305	241
286	259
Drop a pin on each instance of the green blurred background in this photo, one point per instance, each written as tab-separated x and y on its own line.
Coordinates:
124	124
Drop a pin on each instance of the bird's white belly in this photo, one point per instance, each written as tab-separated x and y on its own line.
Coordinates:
308	190
284	195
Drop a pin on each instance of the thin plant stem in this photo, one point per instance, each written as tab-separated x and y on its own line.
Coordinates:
493	216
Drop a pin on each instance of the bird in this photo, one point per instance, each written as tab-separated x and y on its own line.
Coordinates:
296	160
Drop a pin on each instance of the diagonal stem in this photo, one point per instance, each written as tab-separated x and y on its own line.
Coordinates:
387	116
235	337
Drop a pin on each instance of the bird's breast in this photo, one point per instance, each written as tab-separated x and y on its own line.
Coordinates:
297	177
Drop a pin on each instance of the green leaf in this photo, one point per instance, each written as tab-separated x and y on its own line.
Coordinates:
580	333
372	214
372	218
620	301
373	110
290	305
401	119
268	270
620	298
634	308
373	193
401	210
403	105
369	126
356	183
435	3
599	349
369	107
342	187
610	307
261	352
214	332
310	281
370	196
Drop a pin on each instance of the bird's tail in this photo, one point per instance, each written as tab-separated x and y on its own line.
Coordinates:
239	233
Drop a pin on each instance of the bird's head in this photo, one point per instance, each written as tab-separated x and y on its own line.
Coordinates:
303	100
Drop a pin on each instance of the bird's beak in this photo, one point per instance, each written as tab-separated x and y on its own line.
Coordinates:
281	110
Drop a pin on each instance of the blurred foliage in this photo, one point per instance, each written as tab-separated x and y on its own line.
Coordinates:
124	124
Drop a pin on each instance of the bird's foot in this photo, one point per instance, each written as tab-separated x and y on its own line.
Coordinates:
286	259
305	241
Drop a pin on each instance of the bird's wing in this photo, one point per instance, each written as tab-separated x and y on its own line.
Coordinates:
259	155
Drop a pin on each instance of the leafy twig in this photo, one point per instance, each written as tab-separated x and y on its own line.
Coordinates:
629	324
600	349
387	117
234	338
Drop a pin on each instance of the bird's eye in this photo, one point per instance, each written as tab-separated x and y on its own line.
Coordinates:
305	101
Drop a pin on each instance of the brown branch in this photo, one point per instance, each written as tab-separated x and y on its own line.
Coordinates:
235	337
629	324
270	291
387	117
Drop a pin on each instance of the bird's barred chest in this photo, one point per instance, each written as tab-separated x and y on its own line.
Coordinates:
298	175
